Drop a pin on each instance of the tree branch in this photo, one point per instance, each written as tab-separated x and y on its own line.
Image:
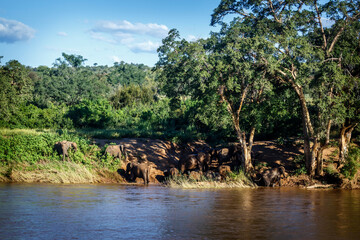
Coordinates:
321	26
243	95
347	22
273	11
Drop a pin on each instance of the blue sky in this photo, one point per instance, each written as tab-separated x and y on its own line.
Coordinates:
37	32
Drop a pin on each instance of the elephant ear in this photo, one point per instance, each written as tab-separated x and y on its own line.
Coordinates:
74	145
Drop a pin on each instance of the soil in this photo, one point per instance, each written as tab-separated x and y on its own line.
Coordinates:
162	155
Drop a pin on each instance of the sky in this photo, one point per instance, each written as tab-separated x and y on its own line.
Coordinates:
37	32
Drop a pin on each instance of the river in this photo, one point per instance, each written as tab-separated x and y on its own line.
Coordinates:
50	211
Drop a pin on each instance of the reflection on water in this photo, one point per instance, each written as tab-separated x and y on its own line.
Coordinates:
41	211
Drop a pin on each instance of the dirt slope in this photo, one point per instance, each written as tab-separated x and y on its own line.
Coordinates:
162	155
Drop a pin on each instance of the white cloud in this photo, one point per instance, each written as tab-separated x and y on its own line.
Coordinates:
150	29
57	49
138	37
63	34
101	37
12	31
115	58
147	46
192	38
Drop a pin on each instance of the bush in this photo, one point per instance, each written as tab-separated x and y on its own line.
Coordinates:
30	148
352	164
94	114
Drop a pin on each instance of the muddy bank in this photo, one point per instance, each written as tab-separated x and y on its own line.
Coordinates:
162	155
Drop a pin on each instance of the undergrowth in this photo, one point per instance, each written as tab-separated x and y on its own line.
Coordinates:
236	179
352	164
33	151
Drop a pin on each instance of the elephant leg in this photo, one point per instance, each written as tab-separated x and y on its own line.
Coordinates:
279	181
132	176
266	181
146	177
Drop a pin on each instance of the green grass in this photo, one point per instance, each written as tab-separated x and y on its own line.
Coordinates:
233	180
27	155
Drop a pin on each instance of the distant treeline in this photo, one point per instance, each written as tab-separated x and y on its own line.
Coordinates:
122	96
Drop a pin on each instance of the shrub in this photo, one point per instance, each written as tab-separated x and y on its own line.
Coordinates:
352	164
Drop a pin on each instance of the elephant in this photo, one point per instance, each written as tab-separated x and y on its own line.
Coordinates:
271	176
205	159
188	163
227	154
117	151
223	171
200	161
138	170
62	148
172	172
211	175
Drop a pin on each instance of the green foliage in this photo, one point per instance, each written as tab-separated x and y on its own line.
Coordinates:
31	148
331	170
71	60
124	74
92	114
35	148
352	163
299	160
132	95
67	85
30	116
16	88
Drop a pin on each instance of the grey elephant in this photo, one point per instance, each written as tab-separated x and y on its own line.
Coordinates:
200	161
117	151
62	148
273	176
138	170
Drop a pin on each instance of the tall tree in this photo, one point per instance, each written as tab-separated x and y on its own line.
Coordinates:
300	61
228	67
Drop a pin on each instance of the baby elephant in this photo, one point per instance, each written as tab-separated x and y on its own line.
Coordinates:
271	176
138	170
62	148
116	151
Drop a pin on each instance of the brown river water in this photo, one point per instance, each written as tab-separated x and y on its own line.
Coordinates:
50	211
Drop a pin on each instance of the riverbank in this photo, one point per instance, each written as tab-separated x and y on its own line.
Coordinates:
57	172
28	156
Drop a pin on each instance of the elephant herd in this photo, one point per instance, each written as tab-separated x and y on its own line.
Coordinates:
193	165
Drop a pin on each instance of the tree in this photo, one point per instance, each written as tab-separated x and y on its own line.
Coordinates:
227	68
71	60
15	90
126	74
68	85
300	62
348	50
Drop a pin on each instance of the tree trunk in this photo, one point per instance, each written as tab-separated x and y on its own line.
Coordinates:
319	158
320	163
344	141
235	115
314	154
246	150
310	155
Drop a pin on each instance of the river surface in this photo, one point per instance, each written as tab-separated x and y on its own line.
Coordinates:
44	211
